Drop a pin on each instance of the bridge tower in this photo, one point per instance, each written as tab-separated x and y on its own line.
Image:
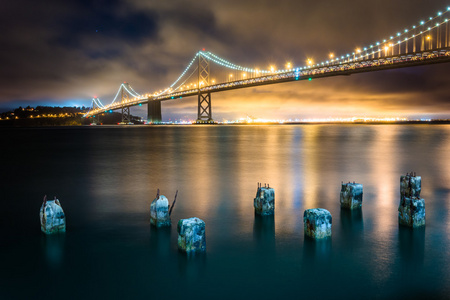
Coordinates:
126	117
204	99
96	117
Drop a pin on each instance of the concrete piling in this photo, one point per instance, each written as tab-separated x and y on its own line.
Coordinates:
159	211
411	210
51	214
410	185
317	223
351	195
191	235
264	201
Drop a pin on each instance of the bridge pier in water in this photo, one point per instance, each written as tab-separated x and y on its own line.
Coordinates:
154	112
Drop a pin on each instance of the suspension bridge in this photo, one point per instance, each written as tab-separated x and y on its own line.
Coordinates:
427	42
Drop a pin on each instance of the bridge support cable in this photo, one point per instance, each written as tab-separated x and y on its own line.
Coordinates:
204	114
154	112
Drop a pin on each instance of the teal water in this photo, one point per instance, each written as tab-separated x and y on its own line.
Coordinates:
106	177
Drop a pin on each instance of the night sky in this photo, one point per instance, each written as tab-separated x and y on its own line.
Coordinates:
66	52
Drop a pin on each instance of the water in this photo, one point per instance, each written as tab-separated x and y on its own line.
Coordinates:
106	177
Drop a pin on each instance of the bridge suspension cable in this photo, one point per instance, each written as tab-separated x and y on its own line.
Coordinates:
96	103
225	63
212	57
124	86
179	77
388	45
181	84
132	92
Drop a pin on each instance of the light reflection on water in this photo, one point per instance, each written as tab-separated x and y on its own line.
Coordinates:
112	176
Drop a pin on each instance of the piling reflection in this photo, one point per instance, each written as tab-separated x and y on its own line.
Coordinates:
191	266
352	226
411	246
160	241
316	258
53	248
264	233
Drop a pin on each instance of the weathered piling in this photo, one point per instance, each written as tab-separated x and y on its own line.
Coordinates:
411	210
53	219
317	223
191	235
159	211
264	201
351	195
410	185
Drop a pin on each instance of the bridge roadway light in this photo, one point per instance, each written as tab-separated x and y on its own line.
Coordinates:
288	66
357	52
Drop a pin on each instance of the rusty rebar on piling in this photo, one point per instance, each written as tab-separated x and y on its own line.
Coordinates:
173	203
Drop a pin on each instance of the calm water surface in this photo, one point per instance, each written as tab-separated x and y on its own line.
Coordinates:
106	177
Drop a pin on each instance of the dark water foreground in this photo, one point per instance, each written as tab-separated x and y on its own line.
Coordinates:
106	178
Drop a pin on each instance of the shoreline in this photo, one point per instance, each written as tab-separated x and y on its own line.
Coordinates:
432	122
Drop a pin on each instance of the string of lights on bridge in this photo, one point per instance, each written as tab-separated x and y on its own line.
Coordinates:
377	44
376	48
